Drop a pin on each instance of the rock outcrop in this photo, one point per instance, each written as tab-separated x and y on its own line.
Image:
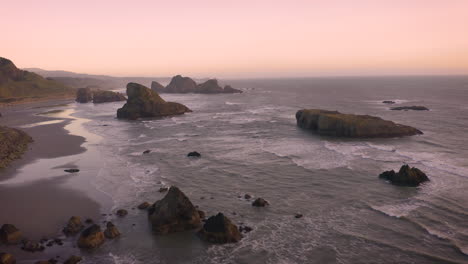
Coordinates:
111	231
107	97
181	84
406	176
194	154
219	229
229	89
212	87
13	143
157	87
6	258
174	213
91	237
84	95
74	226
10	235
333	123
143	102
73	260
414	107
260	202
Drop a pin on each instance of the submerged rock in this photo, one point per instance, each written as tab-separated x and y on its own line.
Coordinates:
143	102
121	212
72	170
406	176
414	107
181	84
298	216
144	205
9	234
388	102
219	229
74	226
32	246
73	260
157	87
100	96
245	229
260	202
146	151
13	143
84	95
111	231
194	154
333	123
173	213
6	258
91	237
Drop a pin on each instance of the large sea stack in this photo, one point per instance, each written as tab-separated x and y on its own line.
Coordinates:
13	143
333	123
181	84
143	102
212	87
174	213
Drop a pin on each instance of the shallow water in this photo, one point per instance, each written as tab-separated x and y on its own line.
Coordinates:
250	144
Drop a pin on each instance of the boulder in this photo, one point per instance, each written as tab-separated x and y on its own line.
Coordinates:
91	237
121	212
298	215
73	260
74	226
247	196
111	231
219	229
174	213
6	258
414	107
194	154
71	170
146	151
181	84
32	246
406	176
144	205
13	143
84	95
100	96
143	102
157	87
333	123
388	102
9	234
260	202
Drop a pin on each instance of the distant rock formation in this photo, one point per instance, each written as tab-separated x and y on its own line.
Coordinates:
219	229
143	102
84	95
406	176
229	89
212	87
13	143
333	123
174	213
181	84
157	87
107	96
414	107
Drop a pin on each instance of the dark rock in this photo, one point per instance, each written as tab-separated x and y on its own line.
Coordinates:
229	89
194	154
91	237
100	96
6	258
9	234
201	214
247	196
89	221
73	260
163	189
173	213
181	84
414	107
407	176
219	229
50	261
32	246
84	95
146	151
333	123
210	87
121	212
298	216
111	231
144	205
245	229
388	102
143	102
157	87
13	143
74	226
72	170
260	202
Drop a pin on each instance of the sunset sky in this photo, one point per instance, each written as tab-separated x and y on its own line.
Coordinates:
252	38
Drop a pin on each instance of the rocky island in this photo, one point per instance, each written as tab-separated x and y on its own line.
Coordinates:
143	102
406	176
180	84
334	123
86	95
414	107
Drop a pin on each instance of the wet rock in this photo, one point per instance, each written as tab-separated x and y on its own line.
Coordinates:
111	231
174	213
406	176
414	107
194	154
121	212
298	216
143	102
260	202
333	123
6	258
73	260
163	189
219	229
144	205
201	214
146	151
84	95
91	237
72	170
245	229
89	221
74	226
10	235
388	102
100	96
32	246
247	196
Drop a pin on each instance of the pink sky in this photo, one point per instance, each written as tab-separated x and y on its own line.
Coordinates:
254	38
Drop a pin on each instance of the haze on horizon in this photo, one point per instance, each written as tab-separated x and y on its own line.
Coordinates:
256	38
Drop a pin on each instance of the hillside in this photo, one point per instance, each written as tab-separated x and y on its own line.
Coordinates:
16	84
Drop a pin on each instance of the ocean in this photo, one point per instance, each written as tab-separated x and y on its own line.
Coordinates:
250	144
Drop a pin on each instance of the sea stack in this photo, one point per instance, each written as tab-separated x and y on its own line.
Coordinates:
143	102
180	84
334	123
157	87
219	229
406	176
100	96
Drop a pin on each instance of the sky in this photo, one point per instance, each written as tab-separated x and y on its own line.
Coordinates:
237	38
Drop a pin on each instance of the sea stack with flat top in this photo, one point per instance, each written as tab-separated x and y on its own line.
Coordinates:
334	123
143	102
